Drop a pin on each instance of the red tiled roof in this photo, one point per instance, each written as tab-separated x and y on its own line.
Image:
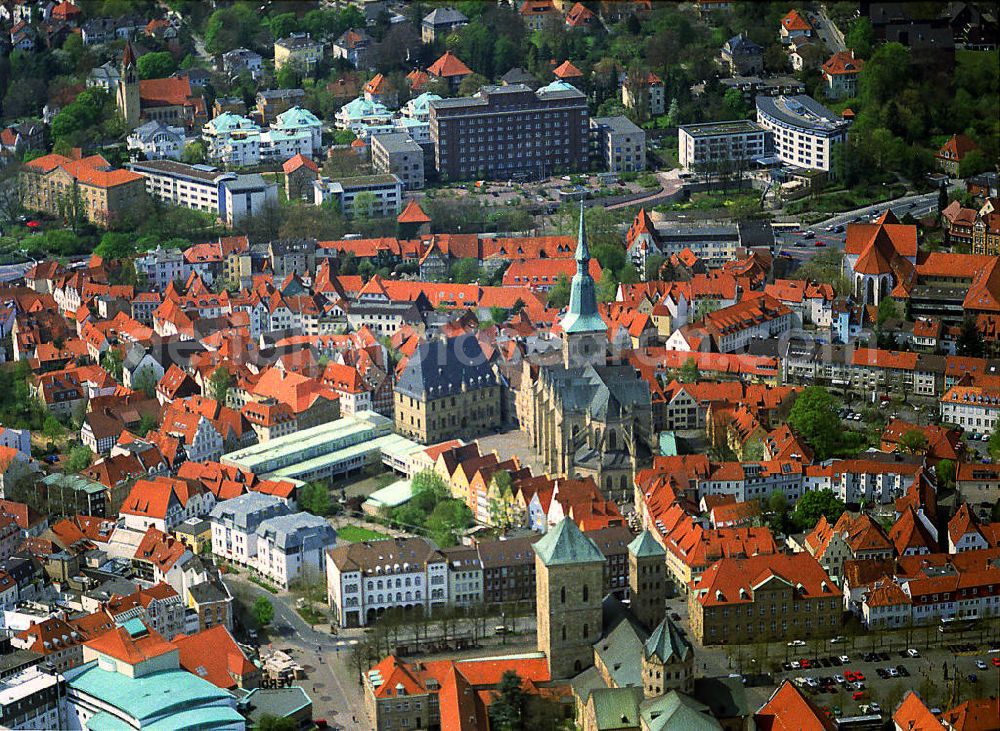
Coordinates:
120	644
213	654
447	66
794	21
789	710
566	70
296	161
413	213
843	63
957	147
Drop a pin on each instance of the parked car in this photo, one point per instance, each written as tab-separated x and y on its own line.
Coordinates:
797	643
981	665
912	653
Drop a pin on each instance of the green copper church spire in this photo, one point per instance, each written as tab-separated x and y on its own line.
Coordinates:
581	315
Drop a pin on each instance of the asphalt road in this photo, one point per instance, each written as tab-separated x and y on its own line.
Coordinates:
792	243
827	31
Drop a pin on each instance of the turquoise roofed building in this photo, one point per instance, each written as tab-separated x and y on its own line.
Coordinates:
298	121
557	86
582	315
360	112
131	679
566	544
420	107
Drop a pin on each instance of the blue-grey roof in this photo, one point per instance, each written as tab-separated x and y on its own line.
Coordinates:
297	529
442	367
445	16
248	510
800	111
742	44
149	130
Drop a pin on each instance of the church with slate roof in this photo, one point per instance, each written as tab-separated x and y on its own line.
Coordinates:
588	418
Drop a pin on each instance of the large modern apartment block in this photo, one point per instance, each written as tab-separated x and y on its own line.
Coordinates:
701	145
231	196
805	132
507	131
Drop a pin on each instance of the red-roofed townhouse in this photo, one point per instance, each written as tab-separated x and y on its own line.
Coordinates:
914	715
450	68
648	83
580	16
300	173
164	502
159	606
442	693
966	533
536	13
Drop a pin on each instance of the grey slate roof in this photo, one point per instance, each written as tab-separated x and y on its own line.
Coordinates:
443	367
248	510
297	529
444	16
620	650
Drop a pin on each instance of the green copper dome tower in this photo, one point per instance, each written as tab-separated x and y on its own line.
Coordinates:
584	332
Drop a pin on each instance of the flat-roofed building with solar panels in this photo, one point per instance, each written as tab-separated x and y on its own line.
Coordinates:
805	132
340	447
739	140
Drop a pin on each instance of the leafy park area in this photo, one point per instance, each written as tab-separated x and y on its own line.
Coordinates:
431	511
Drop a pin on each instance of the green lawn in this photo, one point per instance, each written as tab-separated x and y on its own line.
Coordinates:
356	534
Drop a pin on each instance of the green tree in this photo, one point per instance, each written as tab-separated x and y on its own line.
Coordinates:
145	381
813	505
689	372
194	153
115	246
465	271
263	611
146	424
993	445
219	383
969	342
736	107
314	497
500	514
558	295
777	506
861	37
52	428
157	65
282	25
447	521
973	163
913	441
79	459
945	471
510	703
232	27
653	265
364	204
814	418
884	74
111	361
471	84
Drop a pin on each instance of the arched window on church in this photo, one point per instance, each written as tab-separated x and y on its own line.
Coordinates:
586	630
609	482
624	482
586	593
612	441
562	595
564	632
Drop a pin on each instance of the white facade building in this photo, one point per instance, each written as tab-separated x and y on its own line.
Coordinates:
293	546
157	141
235	523
736	141
386	192
32	699
805	132
364	580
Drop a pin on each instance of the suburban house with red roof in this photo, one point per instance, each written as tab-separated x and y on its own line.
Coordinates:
840	74
949	157
793	26
450	68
